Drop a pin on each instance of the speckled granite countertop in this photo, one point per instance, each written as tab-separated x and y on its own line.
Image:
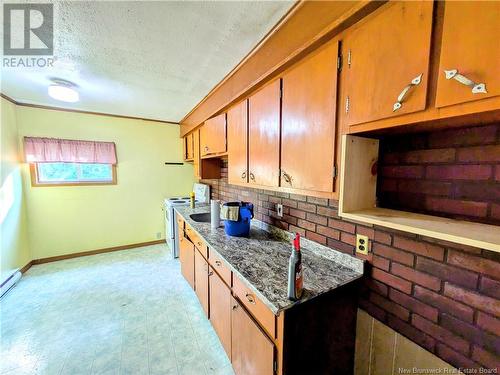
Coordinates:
261	261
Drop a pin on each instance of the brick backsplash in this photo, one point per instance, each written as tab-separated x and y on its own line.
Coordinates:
453	173
443	296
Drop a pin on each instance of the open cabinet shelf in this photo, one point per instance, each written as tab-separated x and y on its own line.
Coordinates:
358	202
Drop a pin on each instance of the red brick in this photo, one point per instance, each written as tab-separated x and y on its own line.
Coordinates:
445	304
390	307
448	273
417	277
294	229
471	333
463	137
372	309
306	207
316	237
340	246
497	173
458	207
391	158
488	323
380	262
389	184
275	200
459	172
454	245
403	171
486	359
289	203
348	238
440	333
412	333
317	219
474	263
476	300
333	203
420	248
478	191
297	213
443	155
495	211
306	225
326	211
479	154
318	201
328	232
490	287
391	280
414	305
391	253
342	225
376	286
454	358
298	197
365	231
383	237
425	187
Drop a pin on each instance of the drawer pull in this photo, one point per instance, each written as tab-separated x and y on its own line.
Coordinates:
218	263
244	175
399	102
477	88
250	298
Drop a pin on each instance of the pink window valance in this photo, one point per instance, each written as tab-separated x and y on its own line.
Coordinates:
39	150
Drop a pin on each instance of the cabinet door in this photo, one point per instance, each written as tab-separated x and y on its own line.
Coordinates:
308	121
186	258
188	147
213	135
381	57
251	351
201	280
220	310
470	46
237	143
264	135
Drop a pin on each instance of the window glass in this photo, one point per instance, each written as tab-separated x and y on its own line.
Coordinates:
73	172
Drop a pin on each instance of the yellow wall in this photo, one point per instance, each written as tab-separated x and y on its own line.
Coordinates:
14	246
64	220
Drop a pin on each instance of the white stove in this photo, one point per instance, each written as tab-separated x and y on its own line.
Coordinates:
202	195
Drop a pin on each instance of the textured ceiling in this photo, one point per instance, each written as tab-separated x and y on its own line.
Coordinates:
145	59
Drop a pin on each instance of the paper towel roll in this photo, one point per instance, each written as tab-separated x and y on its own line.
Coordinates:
215	213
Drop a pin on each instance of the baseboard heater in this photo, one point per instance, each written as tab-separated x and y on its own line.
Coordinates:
10	282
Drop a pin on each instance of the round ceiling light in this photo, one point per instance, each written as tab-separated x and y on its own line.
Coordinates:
64	91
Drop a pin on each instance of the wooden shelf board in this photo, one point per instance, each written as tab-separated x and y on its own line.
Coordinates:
216	155
479	235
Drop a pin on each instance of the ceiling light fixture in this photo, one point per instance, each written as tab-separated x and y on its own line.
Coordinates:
64	91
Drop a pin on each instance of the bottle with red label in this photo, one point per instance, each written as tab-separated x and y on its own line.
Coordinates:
295	277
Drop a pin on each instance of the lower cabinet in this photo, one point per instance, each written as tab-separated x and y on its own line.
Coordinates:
220	310
186	258
201	279
252	352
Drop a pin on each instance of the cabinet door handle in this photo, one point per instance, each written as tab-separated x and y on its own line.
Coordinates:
250	298
235	307
244	175
287	177
206	148
199	244
252	177
477	88
218	263
210	273
399	101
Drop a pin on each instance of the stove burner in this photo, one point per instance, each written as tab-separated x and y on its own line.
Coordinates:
178	201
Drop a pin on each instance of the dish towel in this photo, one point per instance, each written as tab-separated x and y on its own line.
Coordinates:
231	213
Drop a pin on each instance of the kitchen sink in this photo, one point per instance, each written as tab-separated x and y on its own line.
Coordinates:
201	218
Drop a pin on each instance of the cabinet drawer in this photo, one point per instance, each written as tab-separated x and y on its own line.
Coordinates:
220	267
255	306
200	245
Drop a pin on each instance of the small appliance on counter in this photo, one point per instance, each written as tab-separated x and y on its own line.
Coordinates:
237	216
201	195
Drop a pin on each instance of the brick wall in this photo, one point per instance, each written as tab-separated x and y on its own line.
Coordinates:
443	296
453	173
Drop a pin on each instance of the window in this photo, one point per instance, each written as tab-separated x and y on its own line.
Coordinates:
60	173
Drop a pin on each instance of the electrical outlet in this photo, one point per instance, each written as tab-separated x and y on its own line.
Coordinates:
158	235
362	244
279	209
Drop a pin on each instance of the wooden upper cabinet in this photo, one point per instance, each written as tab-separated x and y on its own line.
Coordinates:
308	121
189	146
252	352
213	136
264	135
201	279
237	143
386	62
220	310
470	49
196	153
